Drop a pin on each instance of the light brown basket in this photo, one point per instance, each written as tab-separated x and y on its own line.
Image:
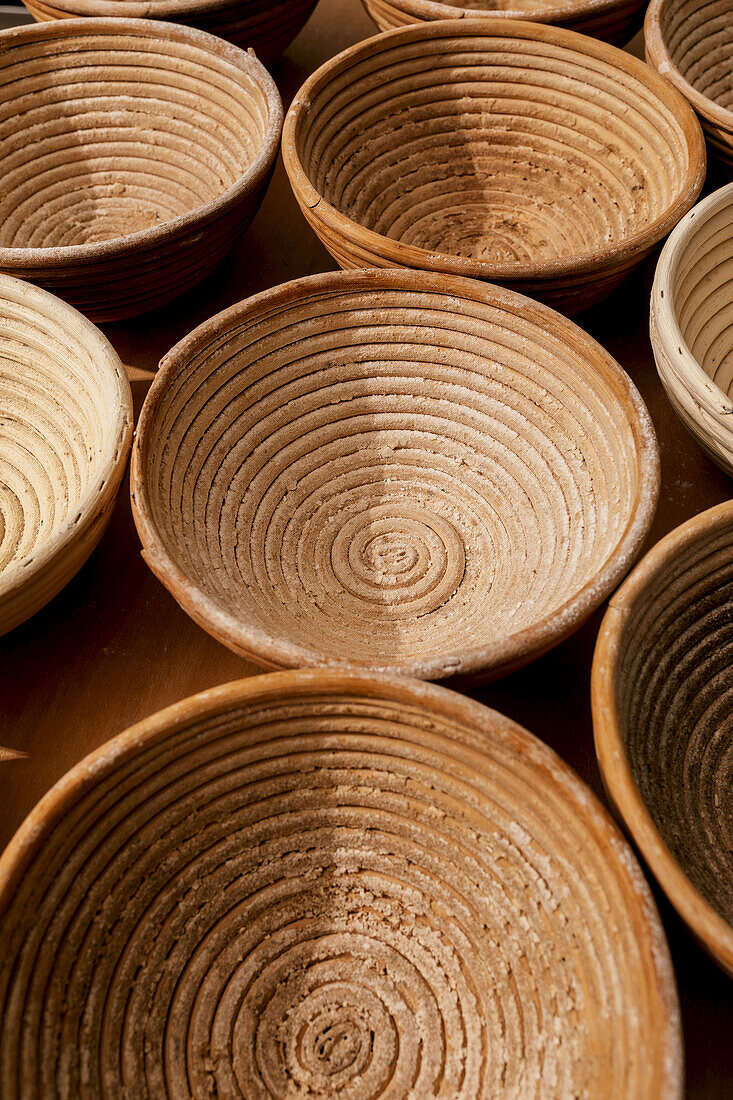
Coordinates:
266	26
497	149
65	432
133	154
692	323
613	21
663	719
314	883
691	44
392	470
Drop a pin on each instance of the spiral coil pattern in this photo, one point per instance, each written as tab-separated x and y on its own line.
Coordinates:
676	688
132	154
699	37
692	311
509	152
613	21
704	297
691	43
392	470
671	629
65	428
304	885
266	26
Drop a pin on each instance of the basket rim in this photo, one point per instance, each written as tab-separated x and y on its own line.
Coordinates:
710	928
482	662
544	11
593	261
58	257
158	9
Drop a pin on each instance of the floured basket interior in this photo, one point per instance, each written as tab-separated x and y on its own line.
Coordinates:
391	470
302	886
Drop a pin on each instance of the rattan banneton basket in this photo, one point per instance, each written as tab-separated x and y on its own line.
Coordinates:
65	432
392	470
498	149
663	719
692	323
320	884
266	26
691	44
133	154
613	21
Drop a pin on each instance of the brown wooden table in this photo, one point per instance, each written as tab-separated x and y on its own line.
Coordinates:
114	646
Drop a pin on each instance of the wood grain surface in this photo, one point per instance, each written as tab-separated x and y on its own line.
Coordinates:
114	646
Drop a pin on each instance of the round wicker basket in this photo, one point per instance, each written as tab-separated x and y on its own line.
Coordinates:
392	470
691	321
498	149
133	154
663	720
691	45
66	427
320	884
265	26
613	21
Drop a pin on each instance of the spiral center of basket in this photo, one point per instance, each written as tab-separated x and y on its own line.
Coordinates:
391	556
335	1042
402	484
330	1024
387	554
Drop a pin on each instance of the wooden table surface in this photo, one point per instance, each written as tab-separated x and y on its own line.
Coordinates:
114	646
